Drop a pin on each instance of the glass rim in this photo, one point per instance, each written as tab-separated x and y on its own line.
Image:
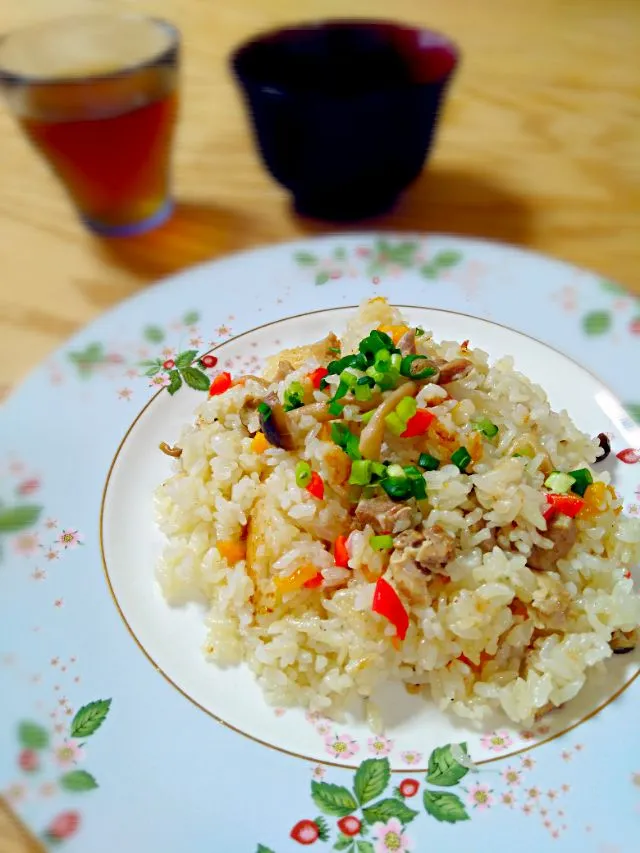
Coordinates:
15	78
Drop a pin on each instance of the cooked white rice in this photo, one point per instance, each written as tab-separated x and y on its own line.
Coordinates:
492	633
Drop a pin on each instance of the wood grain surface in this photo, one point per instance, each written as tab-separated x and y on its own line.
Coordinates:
539	146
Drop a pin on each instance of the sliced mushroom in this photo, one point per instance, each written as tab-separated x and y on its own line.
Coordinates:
373	433
623	642
450	371
319	411
407	343
605	446
167	449
544	710
276	425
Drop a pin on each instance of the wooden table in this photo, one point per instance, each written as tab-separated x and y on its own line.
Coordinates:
539	147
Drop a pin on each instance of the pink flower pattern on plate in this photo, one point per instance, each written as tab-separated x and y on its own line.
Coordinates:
341	746
479	796
508	799
69	539
410	757
497	741
380	745
68	753
511	776
160	380
26	544
389	837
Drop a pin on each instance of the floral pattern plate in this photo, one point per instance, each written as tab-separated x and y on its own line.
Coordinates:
98	750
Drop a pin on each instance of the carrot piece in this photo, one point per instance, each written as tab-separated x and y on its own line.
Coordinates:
259	443
232	551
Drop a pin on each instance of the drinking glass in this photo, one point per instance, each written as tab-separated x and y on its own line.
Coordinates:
97	95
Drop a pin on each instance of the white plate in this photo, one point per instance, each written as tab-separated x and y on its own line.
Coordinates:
172	637
99	751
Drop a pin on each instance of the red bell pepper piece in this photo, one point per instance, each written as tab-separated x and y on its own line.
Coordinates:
340	553
418	424
316	486
220	384
387	603
316	376
313	582
566	504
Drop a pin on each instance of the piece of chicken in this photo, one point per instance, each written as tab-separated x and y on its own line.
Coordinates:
431	550
322	350
563	532
384	515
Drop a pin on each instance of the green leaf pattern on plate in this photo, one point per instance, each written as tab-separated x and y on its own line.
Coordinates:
78	780
89	718
444	806
385	255
390	814
32	736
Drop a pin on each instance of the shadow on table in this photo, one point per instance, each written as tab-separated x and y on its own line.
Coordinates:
441	200
449	202
195	233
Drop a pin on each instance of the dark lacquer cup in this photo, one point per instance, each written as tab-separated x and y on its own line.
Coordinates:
344	112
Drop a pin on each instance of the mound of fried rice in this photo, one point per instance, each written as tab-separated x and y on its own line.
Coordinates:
506	620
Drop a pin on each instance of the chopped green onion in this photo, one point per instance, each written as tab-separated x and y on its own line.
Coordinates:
382	360
417	367
396	361
334	350
486	427
348	378
375	341
362	392
344	438
323	383
388	380
293	397
265	410
378	469
335	408
381	543
367	416
419	331
395	424
366	380
341	390
368	492
461	458
419	488
303	474
412	471
428	462
354	360
398	488
583	478
396	471
559	483
360	473
406	409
